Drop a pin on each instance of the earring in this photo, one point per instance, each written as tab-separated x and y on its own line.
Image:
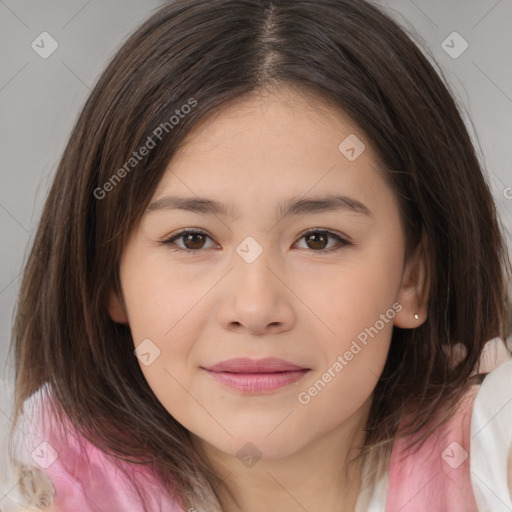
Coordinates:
416	316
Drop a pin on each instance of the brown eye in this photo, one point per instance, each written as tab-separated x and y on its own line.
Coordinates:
318	241
191	240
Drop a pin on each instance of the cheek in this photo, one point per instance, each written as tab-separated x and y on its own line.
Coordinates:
163	311
158	296
355	295
360	311
353	359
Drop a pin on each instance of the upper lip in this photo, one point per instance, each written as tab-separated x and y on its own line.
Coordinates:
247	365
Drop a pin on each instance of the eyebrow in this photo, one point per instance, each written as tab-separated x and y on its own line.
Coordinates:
293	206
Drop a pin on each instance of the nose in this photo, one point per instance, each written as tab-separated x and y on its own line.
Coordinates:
257	298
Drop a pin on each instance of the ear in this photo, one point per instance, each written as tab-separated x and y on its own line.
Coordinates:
116	308
413	294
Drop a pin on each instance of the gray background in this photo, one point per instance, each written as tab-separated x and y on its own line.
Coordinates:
40	98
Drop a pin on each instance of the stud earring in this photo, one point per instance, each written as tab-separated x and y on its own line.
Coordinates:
416	316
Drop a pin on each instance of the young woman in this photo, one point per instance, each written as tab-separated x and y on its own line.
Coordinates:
264	278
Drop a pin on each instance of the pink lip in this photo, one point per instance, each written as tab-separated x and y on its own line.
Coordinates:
246	365
253	376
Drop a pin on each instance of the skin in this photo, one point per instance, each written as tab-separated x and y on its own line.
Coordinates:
295	301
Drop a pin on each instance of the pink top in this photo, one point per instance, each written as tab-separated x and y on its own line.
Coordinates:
437	478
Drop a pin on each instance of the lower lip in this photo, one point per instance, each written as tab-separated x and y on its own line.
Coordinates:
257	382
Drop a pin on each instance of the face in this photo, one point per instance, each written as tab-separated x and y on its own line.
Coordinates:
318	285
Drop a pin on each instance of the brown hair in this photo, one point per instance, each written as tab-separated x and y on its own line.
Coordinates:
205	54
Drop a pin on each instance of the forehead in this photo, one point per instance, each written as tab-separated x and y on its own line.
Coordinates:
273	145
284	117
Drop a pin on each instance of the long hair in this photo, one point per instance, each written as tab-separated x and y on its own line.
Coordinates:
188	60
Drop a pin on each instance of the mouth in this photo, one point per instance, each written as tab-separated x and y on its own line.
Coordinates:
256	375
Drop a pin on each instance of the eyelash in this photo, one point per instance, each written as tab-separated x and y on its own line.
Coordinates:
170	241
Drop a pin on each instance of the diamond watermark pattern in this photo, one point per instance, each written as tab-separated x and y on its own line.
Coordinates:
352	147
249	250
44	45
147	352
249	454
454	455
44	455
454	45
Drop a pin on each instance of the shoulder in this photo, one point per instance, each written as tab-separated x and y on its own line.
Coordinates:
77	475
436	471
491	440
22	483
463	463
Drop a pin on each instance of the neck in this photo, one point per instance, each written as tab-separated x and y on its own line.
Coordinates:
317	476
